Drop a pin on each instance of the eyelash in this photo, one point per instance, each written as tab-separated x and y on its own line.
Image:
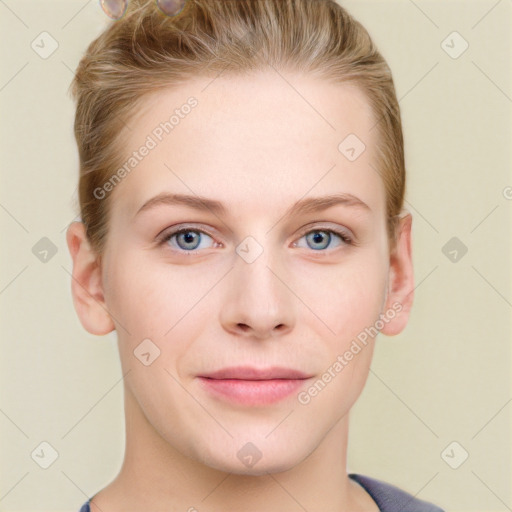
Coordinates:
345	238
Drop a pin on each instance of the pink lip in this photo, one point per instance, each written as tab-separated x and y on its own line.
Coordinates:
251	386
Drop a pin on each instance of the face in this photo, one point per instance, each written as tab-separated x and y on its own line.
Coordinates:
261	279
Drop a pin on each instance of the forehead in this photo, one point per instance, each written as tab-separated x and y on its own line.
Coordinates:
268	137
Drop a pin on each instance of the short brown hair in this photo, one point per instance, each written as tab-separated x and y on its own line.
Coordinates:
146	51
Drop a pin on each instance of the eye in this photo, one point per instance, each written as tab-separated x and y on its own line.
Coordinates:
186	239
319	239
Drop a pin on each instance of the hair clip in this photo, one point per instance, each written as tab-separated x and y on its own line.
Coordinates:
115	9
171	7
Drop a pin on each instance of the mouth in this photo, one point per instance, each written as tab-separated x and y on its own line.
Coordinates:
250	386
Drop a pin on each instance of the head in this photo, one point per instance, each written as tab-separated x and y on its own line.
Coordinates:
246	115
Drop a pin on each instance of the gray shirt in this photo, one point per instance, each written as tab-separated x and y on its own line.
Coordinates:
388	497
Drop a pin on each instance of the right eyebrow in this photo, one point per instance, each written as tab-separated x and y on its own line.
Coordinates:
195	202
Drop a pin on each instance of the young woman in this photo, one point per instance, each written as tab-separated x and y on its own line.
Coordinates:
241	192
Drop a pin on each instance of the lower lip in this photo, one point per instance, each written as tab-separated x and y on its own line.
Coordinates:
252	392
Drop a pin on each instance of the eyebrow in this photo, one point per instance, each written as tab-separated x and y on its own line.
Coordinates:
308	205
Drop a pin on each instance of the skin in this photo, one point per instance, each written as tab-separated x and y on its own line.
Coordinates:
257	146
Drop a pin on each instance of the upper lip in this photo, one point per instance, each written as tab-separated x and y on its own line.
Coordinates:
250	373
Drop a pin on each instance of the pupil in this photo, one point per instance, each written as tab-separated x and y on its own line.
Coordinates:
188	237
319	238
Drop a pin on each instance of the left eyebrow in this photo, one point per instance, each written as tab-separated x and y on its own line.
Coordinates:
308	205
314	204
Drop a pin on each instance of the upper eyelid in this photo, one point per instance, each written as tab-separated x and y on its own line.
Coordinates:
323	226
338	230
172	230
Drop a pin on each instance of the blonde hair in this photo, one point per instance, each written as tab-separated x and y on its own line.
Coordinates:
146	51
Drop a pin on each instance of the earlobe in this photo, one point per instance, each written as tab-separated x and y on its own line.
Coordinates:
400	291
86	283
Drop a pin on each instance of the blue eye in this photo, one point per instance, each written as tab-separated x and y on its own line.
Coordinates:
320	239
186	239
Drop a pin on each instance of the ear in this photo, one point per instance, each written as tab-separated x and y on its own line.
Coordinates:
86	284
400	291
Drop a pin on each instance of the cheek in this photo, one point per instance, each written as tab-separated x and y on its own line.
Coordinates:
349	305
146	297
160	302
360	297
346	297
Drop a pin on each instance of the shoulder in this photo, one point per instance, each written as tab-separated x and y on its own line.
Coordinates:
390	498
85	507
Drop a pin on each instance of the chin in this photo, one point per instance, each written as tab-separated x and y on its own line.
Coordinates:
261	468
254	459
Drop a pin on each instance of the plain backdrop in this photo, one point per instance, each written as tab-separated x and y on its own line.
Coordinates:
438	392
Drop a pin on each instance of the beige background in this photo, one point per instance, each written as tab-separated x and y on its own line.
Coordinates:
446	378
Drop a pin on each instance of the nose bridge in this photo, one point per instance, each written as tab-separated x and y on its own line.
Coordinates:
258	299
254	267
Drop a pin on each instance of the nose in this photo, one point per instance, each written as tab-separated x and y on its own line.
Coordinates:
258	301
